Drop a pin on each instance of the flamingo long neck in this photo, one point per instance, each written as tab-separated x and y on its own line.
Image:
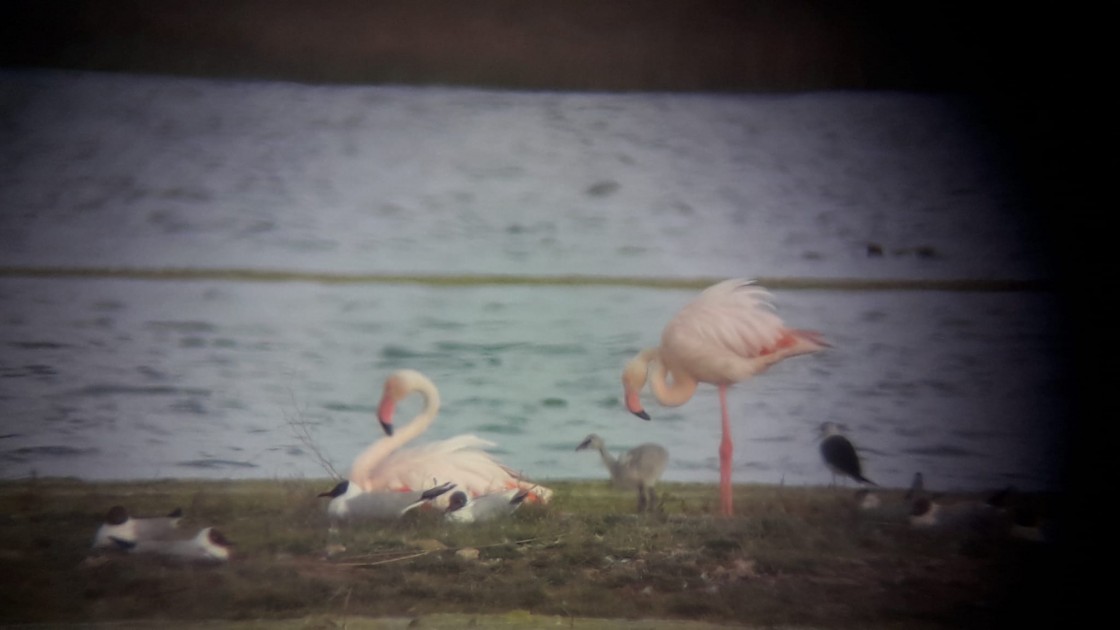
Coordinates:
369	459
671	393
608	459
421	421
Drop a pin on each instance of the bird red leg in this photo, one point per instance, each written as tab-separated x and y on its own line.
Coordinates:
725	449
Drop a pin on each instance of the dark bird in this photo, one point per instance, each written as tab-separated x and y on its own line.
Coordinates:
839	454
917	488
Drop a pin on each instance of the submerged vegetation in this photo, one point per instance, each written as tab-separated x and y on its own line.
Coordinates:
793	556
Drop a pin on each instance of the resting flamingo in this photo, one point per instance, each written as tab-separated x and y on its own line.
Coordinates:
386	465
728	334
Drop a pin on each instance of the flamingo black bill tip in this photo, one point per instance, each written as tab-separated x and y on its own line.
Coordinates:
642	414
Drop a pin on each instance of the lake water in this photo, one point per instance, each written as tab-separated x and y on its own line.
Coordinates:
105	378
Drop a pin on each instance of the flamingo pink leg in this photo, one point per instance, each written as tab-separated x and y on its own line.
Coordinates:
725	449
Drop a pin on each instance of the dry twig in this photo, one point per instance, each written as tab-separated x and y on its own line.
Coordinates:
300	427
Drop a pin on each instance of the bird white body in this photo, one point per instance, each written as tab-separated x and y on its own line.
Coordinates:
639	469
964	516
122	526
727	334
925	513
867	500
486	507
387	465
960	514
1028	517
208	545
1026	525
349	503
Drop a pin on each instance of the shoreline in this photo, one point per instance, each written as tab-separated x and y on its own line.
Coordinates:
659	45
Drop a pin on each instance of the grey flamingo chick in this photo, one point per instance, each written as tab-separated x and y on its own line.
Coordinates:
839	454
639	468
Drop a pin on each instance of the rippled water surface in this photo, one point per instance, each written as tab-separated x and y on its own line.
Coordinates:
432	180
114	378
117	378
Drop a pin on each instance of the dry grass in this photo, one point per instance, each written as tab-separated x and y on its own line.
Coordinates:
793	556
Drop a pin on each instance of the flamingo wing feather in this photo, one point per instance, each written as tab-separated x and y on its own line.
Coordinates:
734	317
460	459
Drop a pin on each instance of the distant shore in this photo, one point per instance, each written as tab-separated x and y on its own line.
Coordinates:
651	45
280	275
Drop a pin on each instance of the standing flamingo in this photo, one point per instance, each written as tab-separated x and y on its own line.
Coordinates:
728	334
386	465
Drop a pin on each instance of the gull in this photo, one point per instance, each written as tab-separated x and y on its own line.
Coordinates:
961	515
350	503
950	515
486	507
1028	524
839	454
120	525
209	545
1028	518
639	468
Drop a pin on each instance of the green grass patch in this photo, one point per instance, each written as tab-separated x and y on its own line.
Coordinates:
791	556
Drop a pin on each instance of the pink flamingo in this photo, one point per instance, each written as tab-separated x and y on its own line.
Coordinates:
385	465
728	334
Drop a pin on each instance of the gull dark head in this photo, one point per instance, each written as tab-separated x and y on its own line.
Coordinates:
117	515
218	538
457	501
337	491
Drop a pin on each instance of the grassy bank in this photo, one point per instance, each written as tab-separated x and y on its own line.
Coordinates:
792	556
